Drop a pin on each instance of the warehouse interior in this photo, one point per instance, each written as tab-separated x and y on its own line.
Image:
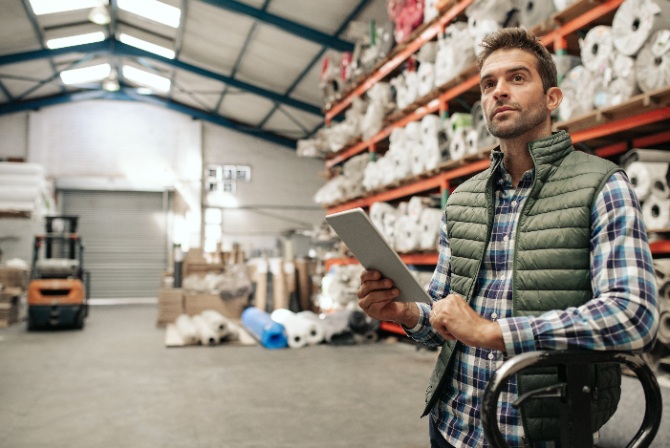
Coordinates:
170	163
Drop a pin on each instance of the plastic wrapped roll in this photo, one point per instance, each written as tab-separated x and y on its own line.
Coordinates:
381	213
662	271
24	169
259	323
335	324
218	322
18	193
186	329
206	334
617	83
643	176
417	204
317	331
298	330
458	146
484	137
426	74
496	10
385	167
429	228
459	121
455	53
656	213
21	180
401	160
479	29
597	48
636	20
472	142
406	236
664	327
560	5
652	65
532	12
578	93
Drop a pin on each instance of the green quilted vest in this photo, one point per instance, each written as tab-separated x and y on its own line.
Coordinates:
551	264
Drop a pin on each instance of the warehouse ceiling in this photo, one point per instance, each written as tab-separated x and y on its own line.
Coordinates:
250	65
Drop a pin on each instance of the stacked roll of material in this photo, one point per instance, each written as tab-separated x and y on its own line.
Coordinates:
268	332
426	75
384	216
560	5
652	65
648	178
430	142
206	334
371	176
417	204
636	21
224	329
317	333
429	228
364	328
401	163
484	137
458	146
455	52
619	82
656	213
21	185
406	235
664	326
662	270
533	12
597	48
299	331
486	17
186	329
335	324
578	88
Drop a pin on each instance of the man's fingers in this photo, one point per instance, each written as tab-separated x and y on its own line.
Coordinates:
369	275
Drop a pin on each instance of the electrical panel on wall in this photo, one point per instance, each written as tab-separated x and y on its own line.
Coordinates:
224	178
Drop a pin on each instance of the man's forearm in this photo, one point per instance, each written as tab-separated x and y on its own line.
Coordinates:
410	318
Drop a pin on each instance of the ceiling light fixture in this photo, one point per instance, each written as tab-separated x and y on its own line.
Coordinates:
148	46
79	39
85	75
100	15
111	83
153	10
42	7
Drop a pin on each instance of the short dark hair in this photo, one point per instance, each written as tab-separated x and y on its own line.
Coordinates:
520	39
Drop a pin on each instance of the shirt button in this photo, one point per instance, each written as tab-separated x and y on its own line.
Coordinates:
505	238
491	356
494	316
514	203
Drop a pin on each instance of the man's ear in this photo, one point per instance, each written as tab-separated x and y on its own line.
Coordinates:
554	97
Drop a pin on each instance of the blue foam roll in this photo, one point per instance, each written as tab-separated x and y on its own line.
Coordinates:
270	333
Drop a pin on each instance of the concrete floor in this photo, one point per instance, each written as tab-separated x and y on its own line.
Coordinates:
114	384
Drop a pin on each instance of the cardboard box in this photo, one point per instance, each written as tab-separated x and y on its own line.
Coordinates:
9	308
14	277
170	305
196	303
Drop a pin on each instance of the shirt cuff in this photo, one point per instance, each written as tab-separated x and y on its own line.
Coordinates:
518	335
422	327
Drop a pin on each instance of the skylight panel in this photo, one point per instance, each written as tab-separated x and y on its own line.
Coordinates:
153	10
147	46
79	39
42	7
155	82
85	75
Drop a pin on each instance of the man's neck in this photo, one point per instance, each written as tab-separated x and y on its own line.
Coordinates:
518	159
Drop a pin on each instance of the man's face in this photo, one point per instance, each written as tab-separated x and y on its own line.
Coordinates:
513	98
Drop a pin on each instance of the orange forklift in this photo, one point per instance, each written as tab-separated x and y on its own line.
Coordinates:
57	293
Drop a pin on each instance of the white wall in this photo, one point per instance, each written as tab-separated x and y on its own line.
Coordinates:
135	146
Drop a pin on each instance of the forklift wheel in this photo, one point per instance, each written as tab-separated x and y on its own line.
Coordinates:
79	322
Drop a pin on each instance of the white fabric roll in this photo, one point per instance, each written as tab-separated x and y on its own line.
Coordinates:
186	329
418	159
218	322
643	176
495	10
560	5
472	142
21	168
371	179
426	74
317	333
206	334
406	238
14	193
458	146
296	329
378	212
617	82
532	12
479	29
664	327
656	213
386	173
458	121
16	206
417	204
652	65
430	127
636	20
22	180
662	270
455	52
484	137
401	163
578	93
372	120
312	333
597	48
335	323
429	228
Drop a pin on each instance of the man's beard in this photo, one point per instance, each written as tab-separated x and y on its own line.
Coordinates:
527	121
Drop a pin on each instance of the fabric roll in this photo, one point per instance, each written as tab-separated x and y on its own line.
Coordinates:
379	212
426	75
206	334
316	334
22	180
472	142
532	12
484	137
186	329
417	204
578	93
24	169
218	322
259	323
458	121
371	178
406	236
652	65
618	83
656	213
455	52
496	10
458	146
636	20
479	29
335	324
417	160
15	193
596	49
429	228
644	175
401	163
662	271
297	329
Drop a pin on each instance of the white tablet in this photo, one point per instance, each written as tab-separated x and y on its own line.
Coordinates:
372	250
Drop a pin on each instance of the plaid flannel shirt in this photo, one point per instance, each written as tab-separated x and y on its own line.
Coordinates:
622	315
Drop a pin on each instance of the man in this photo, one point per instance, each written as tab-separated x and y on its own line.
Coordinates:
546	249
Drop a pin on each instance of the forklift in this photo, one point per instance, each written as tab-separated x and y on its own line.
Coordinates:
58	288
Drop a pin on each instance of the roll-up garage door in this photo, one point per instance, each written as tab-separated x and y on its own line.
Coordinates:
124	237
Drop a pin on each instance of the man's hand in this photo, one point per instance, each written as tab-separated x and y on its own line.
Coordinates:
453	318
376	296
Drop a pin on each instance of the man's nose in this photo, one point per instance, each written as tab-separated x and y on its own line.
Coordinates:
501	90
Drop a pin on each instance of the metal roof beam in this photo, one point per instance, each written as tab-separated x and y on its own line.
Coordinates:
289	26
118	48
130	95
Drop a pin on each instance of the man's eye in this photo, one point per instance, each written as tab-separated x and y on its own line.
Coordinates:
518	78
487	85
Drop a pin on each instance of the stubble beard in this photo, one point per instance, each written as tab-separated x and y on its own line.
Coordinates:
526	121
